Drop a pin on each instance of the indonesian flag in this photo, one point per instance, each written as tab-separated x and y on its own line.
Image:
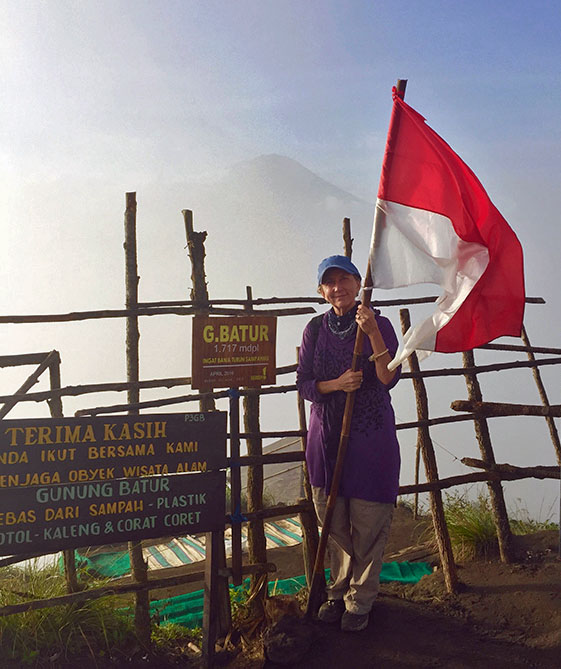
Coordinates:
434	223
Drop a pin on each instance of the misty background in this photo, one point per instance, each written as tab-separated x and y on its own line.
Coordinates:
267	119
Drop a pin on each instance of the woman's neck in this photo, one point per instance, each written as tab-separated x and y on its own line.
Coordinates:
341	312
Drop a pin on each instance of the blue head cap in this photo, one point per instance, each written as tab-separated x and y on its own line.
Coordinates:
340	262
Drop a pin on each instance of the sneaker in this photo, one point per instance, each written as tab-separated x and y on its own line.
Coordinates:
354	622
331	610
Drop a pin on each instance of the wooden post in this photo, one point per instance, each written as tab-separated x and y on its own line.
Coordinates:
131	287
196	250
544	398
549	419
199	291
308	520
212	625
256	541
496	495
235	471
55	402
347	239
55	407
217	615
248	306
139	567
417	467
431	469
235	487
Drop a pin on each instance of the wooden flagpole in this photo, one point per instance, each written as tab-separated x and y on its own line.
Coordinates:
316	586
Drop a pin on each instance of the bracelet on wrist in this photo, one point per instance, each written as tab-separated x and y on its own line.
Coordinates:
375	356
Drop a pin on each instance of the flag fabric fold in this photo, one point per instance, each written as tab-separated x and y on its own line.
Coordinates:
434	223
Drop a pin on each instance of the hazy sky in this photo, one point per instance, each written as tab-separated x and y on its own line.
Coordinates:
103	97
141	91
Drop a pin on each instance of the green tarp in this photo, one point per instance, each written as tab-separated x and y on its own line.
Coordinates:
104	565
187	609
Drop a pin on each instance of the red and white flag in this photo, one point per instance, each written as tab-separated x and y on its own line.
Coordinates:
435	223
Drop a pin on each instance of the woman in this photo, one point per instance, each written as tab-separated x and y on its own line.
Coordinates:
370	478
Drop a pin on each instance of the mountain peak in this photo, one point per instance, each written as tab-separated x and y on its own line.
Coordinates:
276	172
274	160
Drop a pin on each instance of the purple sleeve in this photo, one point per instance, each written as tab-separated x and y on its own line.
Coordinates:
305	379
390	340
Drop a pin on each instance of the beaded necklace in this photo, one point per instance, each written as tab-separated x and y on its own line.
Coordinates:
342	326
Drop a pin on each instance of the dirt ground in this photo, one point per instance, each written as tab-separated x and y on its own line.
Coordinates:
506	615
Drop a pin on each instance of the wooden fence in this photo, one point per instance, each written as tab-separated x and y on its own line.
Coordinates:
217	574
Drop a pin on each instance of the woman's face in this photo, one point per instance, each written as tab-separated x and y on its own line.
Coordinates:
340	289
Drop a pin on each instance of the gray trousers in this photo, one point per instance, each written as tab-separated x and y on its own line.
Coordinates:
357	538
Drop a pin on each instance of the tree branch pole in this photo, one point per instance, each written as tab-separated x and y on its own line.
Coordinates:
424	444
539	471
481	477
55	407
308	520
235	486
186	311
216	605
496	496
554	434
427	373
256	539
139	566
23	359
495	409
543	396
316	588
347	239
285	369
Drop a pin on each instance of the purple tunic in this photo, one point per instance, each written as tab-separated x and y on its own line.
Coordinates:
371	469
